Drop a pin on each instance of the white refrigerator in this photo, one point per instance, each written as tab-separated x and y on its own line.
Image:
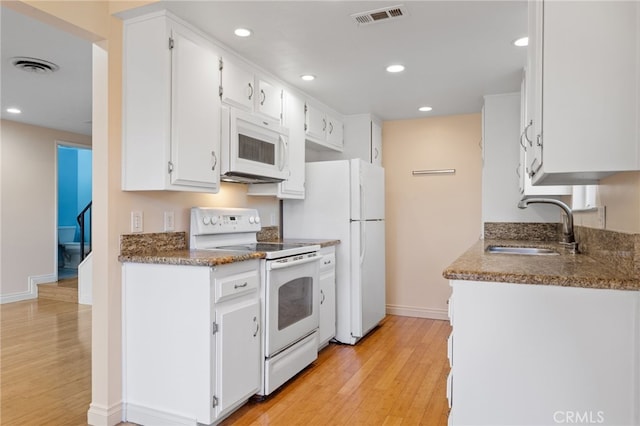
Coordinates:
345	200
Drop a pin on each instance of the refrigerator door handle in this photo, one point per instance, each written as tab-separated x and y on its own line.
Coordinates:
363	235
363	241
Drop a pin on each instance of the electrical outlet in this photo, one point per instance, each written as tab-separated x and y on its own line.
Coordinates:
273	219
136	222
169	222
602	217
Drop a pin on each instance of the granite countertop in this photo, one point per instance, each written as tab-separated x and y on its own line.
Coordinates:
192	257
566	269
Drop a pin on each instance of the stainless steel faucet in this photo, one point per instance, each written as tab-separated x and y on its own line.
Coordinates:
569	239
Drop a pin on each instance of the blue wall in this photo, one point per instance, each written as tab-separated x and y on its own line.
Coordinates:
74	185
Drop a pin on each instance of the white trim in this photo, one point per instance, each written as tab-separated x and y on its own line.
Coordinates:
99	415
140	414
32	293
418	312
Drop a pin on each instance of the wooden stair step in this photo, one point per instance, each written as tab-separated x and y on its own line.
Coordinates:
63	290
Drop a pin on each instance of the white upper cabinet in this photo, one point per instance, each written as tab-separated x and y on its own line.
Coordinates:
323	128
363	138
526	150
241	87
270	100
171	108
238	87
583	90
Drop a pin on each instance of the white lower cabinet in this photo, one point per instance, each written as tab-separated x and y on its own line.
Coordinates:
327	296
191	352
540	355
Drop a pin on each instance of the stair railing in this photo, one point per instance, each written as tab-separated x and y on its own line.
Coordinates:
81	221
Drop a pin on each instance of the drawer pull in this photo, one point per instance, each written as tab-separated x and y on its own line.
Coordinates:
241	285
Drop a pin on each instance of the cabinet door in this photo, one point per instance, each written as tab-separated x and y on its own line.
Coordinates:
238	85
327	303
315	122
293	187
532	137
269	100
237	353
376	144
195	112
335	132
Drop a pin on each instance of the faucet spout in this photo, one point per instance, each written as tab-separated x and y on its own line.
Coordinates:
567	229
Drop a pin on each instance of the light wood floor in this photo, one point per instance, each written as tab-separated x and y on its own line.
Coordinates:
45	369
395	376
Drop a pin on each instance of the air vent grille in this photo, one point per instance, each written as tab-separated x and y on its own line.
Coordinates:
38	66
379	15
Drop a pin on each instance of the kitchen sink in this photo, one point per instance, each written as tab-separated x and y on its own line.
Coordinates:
536	251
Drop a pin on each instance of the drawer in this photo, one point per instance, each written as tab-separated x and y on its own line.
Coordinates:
450	309
236	285
328	262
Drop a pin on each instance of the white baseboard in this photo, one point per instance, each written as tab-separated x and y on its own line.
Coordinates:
32	292
148	416
414	311
99	415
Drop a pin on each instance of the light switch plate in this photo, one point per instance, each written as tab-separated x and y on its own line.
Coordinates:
169	221
136	222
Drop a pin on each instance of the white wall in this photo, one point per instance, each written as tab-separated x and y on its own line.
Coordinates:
500	190
28	193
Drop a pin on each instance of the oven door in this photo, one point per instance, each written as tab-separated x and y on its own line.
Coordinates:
292	295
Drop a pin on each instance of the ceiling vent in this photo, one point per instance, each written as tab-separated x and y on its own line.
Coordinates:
38	66
380	15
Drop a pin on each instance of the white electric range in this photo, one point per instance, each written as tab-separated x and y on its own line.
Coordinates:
290	291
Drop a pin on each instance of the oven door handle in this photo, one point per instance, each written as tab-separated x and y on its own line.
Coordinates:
290	263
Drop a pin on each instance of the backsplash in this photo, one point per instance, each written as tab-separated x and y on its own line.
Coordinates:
617	249
158	242
152	243
269	233
532	231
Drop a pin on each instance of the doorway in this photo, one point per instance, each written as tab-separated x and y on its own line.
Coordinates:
74	176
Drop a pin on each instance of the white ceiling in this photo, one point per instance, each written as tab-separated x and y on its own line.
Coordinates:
61	100
454	52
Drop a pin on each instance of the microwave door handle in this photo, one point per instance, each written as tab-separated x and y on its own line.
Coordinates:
284	152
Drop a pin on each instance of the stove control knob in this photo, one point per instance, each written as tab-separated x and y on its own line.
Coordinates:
214	220
257	219
206	220
252	219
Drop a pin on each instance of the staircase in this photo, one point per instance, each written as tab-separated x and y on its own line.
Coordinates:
65	290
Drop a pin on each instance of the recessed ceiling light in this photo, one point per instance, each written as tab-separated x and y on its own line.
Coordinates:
522	42
242	32
425	109
395	68
13	110
308	77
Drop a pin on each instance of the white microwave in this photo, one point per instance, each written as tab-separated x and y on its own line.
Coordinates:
253	149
